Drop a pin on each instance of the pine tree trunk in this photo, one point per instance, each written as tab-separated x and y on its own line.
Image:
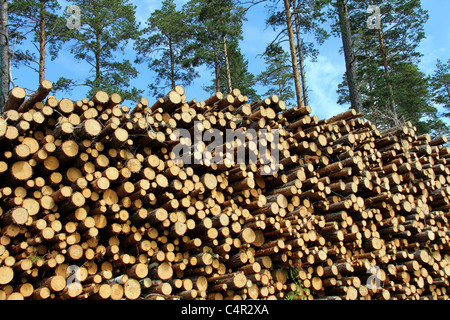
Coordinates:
227	64
448	91
388	75
280	89
42	43
97	59
301	59
371	93
172	64
347	41
216	66
372	104
298	89
4	54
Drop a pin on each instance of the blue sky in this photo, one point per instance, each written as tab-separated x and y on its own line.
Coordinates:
323	76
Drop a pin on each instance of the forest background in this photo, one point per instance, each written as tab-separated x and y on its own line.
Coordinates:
416	39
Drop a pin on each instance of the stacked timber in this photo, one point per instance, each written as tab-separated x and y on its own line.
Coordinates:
96	204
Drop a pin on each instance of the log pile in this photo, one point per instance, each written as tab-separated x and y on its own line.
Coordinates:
94	205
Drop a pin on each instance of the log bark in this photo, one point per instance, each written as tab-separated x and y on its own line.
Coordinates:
15	99
44	89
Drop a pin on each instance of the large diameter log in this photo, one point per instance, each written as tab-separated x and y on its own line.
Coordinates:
118	138
88	129
54	283
214	98
132	289
157	216
233	281
44	89
67	151
76	200
66	106
19	172
6	275
209	181
248	235
74	252
100	98
171	101
116	99
139	270
162	271
11	133
72	290
15	99
163	288
3	167
17	216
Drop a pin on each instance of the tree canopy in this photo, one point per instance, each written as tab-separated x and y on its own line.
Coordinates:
204	39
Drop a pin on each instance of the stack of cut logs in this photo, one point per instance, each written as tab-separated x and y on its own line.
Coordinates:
94	205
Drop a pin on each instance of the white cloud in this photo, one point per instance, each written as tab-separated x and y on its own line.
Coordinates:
322	79
144	8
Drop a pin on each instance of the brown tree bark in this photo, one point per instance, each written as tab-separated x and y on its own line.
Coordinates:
4	53
301	59
388	75
298	88
347	41
42	37
216	67
227	64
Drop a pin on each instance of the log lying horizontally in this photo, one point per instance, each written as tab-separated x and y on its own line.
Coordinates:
94	204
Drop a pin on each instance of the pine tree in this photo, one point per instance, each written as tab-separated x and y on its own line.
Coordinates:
413	99
293	50
217	23
277	77
381	55
35	21
107	26
338	13
238	68
162	44
307	19
440	85
349	54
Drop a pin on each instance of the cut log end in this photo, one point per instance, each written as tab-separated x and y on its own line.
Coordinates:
248	235
165	271
100	97
21	171
89	129
6	275
132	289
18	216
92	184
